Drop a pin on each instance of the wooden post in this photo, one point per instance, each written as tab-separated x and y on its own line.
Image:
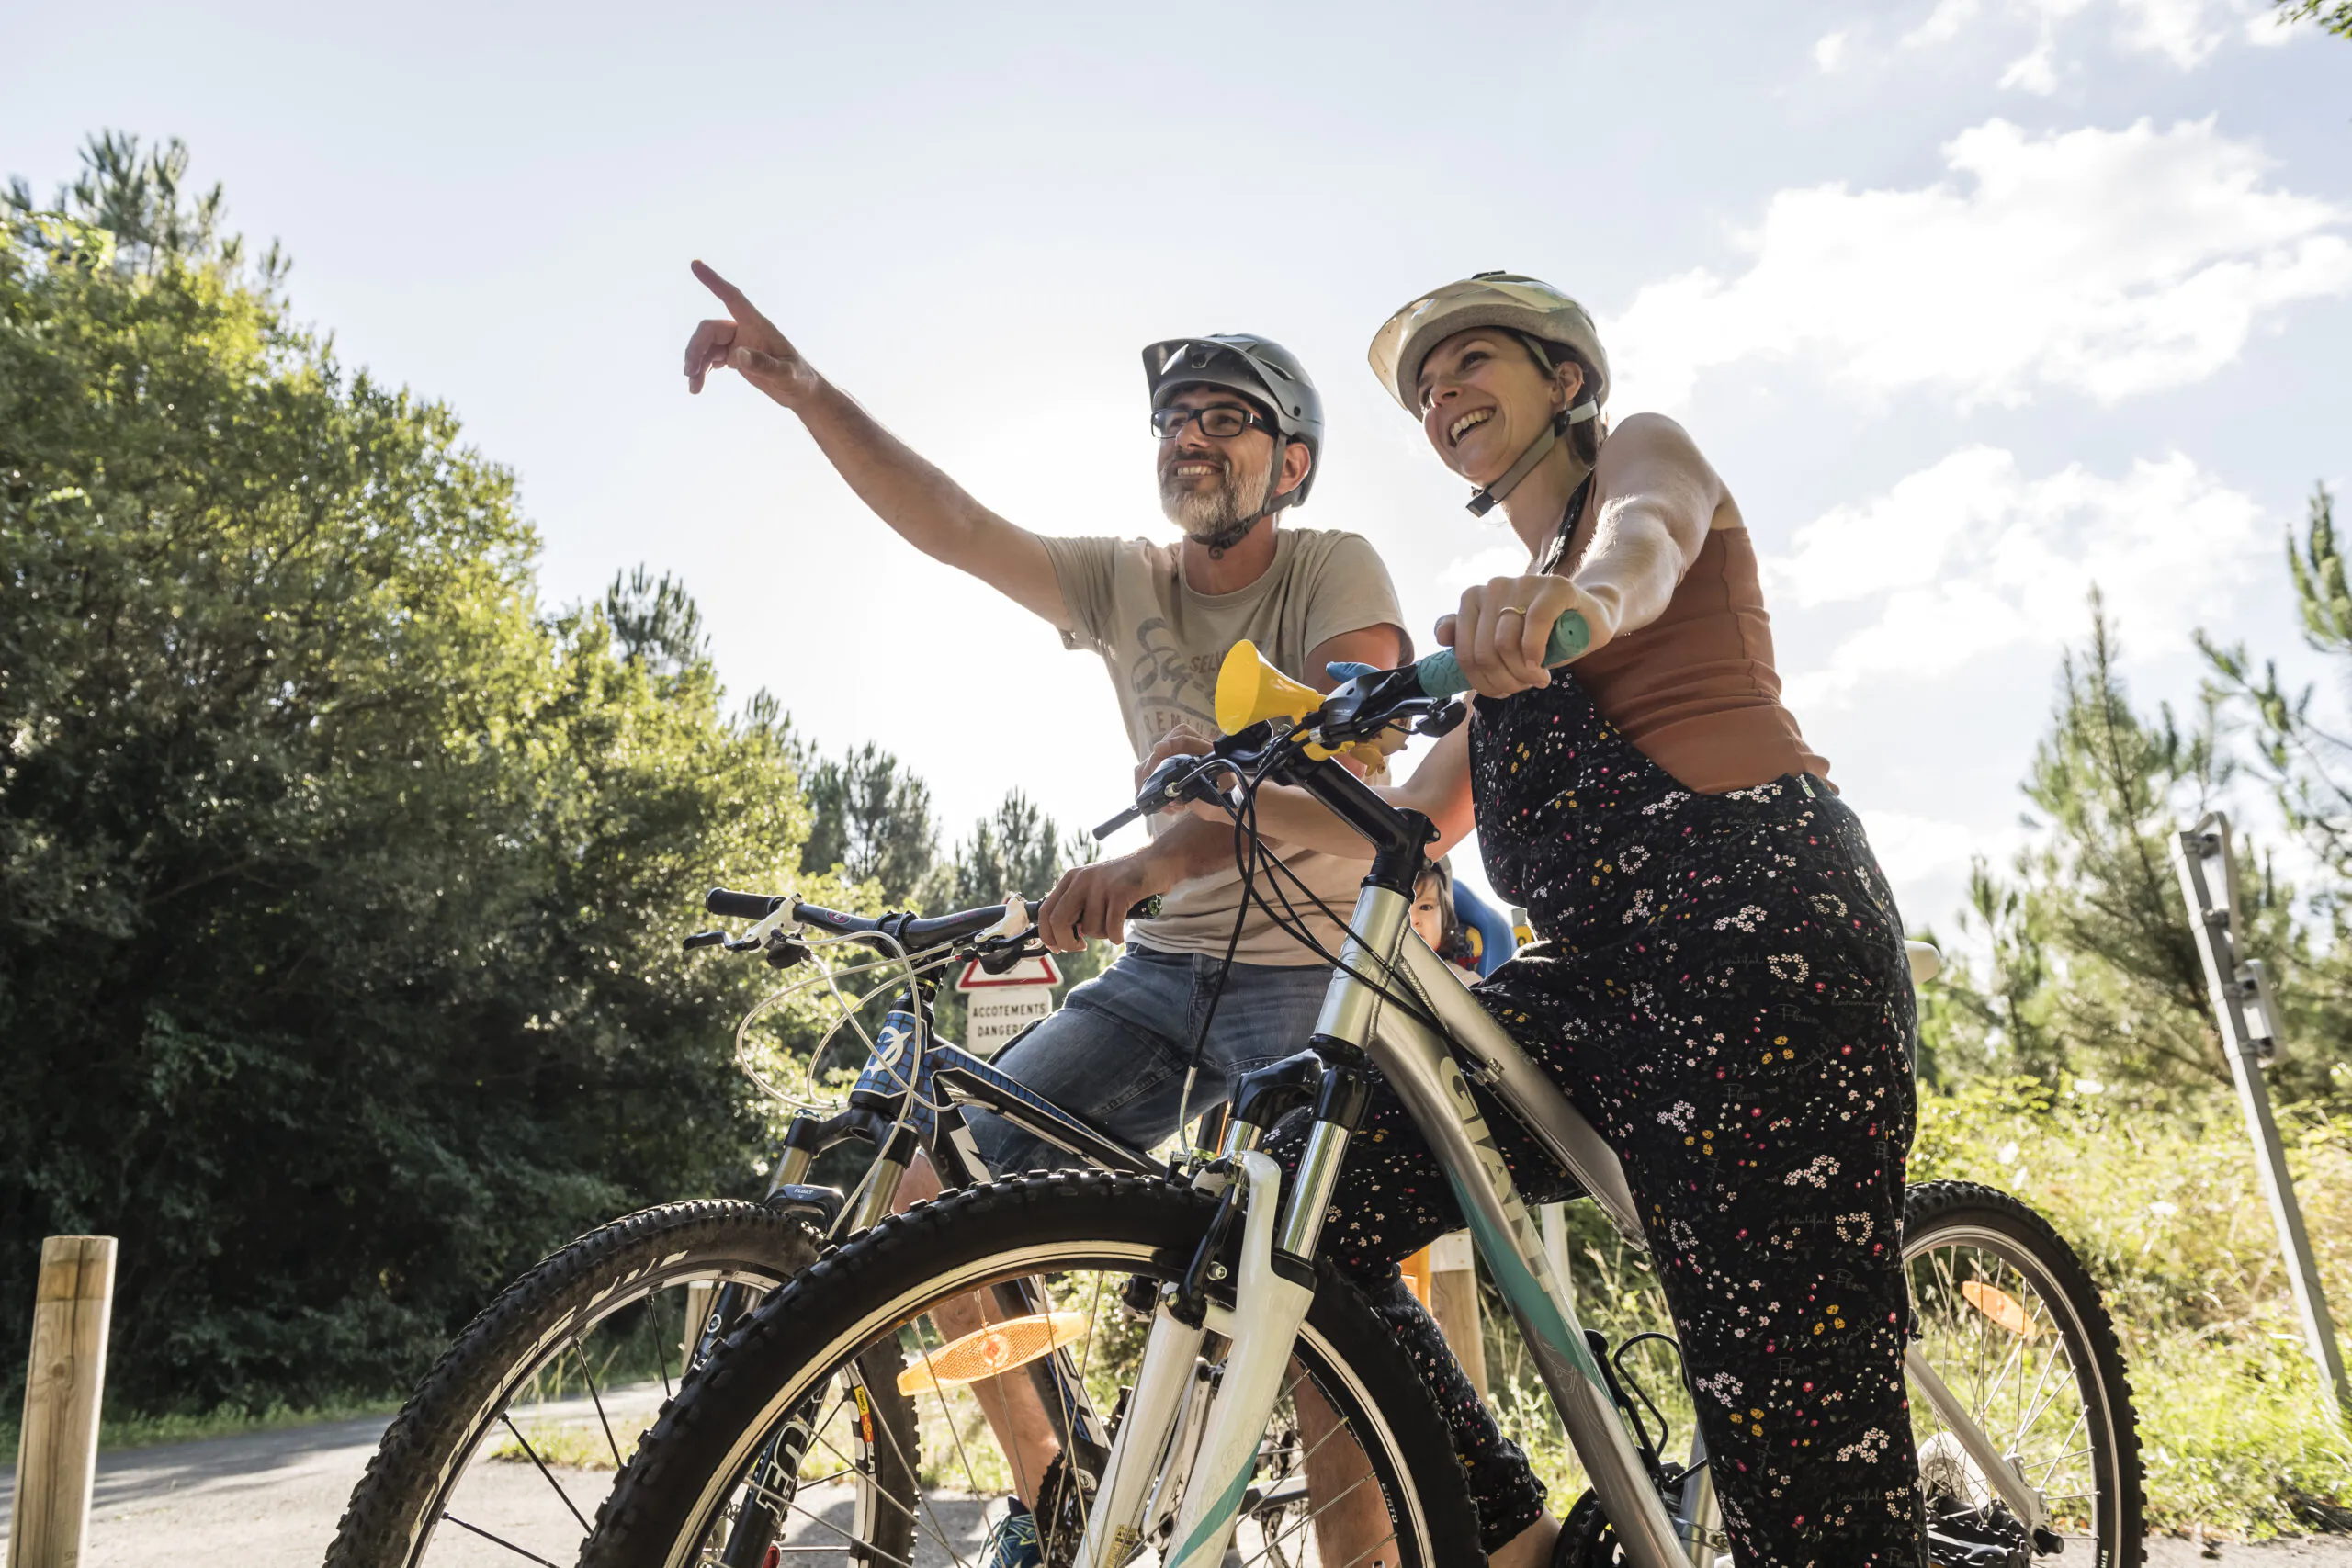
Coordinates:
1453	1301
57	1454
1416	1270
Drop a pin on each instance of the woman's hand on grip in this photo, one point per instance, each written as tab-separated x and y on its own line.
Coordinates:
1499	633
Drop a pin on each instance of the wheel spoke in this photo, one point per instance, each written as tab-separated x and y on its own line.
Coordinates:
551	1481
494	1539
1069	1408
1304	1519
914	1474
793	1505
598	1399
662	1342
2026	1366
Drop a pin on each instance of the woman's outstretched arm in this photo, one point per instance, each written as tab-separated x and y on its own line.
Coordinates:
1659	499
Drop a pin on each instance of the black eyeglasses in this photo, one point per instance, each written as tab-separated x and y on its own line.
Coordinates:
1221	420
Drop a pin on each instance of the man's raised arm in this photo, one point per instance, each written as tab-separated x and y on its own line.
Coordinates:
923	505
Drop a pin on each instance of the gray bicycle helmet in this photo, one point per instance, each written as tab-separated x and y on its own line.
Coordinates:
1259	370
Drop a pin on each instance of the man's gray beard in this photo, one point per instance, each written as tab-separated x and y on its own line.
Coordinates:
1203	514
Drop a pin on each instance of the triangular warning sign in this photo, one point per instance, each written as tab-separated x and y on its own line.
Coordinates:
1037	971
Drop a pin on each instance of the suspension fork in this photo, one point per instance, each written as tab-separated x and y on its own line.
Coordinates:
1135	1478
1272	1290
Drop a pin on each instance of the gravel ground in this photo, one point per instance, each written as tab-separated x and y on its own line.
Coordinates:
271	1500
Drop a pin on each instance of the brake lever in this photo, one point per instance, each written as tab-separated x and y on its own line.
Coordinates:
1000	955
1181	777
1443	720
703	939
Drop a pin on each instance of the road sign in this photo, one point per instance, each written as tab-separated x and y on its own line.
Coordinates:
997	1007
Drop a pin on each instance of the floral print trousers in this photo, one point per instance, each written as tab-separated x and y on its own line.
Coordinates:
1721	988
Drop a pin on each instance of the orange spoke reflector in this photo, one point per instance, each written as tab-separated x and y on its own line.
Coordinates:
993	1350
2000	1307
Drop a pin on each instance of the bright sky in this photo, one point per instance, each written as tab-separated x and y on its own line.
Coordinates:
1973	302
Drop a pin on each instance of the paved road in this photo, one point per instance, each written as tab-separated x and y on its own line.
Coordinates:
271	1500
266	1500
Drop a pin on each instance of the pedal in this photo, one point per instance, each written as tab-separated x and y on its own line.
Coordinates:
1960	1536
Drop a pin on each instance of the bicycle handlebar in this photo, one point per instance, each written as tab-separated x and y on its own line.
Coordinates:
910	932
731	906
1440	673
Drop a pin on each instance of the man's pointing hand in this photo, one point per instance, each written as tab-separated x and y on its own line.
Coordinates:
749	344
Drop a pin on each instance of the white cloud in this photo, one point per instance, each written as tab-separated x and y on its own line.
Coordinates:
1829	52
1507	559
1911	849
1943	24
2184	32
2036	72
2105	262
1970	557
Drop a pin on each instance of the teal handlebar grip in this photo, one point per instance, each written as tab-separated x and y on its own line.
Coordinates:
1441	673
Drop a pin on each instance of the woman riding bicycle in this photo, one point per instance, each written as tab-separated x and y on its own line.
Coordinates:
1719	980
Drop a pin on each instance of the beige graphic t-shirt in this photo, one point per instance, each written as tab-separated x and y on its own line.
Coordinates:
1163	645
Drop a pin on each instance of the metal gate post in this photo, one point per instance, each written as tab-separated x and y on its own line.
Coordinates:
2240	988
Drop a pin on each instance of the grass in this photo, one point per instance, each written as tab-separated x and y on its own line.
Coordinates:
135	1430
573	1445
2163	1208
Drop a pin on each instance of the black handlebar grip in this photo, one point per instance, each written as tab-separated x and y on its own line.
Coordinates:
730	906
1131	814
1145	908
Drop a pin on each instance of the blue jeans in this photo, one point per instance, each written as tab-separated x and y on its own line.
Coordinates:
1117	1052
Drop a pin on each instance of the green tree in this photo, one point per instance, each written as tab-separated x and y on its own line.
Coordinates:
871	819
2307	766
655	620
2095	970
339	884
2333	16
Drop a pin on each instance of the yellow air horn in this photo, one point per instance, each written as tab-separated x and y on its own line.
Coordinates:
1250	691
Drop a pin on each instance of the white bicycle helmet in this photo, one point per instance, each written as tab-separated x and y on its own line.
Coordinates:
1531	310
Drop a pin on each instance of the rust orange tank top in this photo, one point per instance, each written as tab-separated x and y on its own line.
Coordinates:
1695	689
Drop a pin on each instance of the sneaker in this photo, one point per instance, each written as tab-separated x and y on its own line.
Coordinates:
1013	1542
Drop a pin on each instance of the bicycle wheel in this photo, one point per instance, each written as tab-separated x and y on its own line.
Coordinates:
510	1442
1396	1497
2011	1322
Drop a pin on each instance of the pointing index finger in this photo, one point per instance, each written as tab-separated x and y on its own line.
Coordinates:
728	295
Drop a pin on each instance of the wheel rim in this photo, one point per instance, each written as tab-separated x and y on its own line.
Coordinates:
965	1474
526	1484
2013	1349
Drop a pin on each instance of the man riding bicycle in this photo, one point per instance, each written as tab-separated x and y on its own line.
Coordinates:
1239	428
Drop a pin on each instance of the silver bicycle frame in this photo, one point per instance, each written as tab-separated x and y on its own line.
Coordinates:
1432	1071
1421	1069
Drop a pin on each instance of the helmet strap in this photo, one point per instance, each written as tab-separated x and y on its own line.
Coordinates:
1225	538
1233	533
1484	501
